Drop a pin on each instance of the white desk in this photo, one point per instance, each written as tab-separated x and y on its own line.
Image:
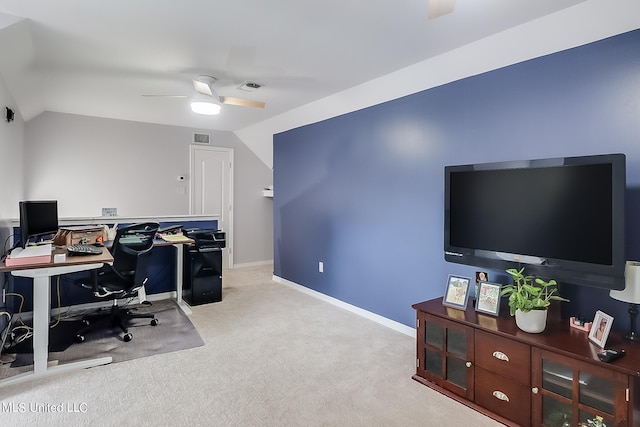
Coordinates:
41	275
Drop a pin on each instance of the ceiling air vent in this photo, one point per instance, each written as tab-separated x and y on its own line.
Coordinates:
201	138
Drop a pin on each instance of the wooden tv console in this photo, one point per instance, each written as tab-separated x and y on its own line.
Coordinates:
552	379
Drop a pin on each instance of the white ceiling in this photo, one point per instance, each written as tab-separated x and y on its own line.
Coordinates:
99	58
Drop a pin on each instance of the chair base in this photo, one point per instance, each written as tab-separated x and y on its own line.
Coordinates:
117	317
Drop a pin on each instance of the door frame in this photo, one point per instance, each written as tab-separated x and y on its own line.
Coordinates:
229	228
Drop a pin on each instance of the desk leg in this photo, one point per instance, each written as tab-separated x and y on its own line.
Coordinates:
179	268
41	293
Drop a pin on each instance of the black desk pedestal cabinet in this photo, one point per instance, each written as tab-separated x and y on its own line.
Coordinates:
202	272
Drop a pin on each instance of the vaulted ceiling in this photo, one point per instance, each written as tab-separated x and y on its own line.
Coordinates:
100	58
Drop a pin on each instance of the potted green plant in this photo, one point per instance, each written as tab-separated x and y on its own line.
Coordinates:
529	299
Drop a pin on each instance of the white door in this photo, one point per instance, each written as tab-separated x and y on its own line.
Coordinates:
212	190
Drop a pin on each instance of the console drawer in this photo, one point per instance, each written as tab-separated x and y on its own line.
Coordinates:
504	357
507	398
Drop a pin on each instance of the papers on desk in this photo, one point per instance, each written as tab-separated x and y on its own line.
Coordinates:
30	255
174	238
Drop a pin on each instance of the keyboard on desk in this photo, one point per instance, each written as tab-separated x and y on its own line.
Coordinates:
83	250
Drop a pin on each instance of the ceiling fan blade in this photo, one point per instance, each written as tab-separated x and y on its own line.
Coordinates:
241	102
438	8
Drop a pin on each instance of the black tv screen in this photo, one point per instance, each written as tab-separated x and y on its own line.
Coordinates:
38	218
562	218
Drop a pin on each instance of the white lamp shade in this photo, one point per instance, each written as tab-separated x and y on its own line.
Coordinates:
208	108
631	292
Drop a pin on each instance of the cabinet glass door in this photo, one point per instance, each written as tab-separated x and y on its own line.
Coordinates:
557	409
556	413
444	354
433	362
597	393
457	350
557	378
457	372
457	342
434	340
433	334
565	383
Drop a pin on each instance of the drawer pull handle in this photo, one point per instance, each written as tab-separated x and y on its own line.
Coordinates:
500	356
468	364
535	390
500	395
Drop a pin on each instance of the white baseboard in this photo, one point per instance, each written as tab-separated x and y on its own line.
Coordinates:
253	264
396	326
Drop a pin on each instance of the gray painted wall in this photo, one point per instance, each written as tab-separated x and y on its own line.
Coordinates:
11	140
87	163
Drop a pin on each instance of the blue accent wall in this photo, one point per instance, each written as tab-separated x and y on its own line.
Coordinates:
363	192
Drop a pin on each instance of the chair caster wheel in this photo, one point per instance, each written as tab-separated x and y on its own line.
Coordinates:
80	338
128	337
154	322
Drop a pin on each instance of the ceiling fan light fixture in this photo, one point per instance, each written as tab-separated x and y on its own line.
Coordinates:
207	108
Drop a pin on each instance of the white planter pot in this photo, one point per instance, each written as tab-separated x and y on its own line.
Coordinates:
533	321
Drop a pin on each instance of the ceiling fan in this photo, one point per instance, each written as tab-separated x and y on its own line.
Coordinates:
207	102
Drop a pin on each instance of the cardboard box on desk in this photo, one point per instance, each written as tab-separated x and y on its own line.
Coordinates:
29	255
79	235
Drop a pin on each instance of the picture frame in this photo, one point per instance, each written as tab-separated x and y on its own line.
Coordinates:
488	298
481	276
600	330
456	293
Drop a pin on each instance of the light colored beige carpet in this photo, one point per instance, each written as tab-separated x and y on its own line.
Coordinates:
273	356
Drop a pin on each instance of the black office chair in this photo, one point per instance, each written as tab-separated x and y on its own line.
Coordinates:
123	279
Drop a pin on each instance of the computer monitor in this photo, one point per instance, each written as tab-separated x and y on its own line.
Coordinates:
38	218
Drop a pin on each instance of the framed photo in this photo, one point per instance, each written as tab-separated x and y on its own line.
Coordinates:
457	292
600	328
488	298
481	276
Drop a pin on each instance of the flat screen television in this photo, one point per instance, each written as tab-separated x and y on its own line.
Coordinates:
37	218
561	218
